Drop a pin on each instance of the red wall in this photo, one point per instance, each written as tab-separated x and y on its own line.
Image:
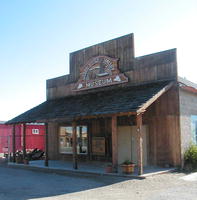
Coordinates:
35	140
32	140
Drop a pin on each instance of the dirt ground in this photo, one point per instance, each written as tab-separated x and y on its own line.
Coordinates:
18	184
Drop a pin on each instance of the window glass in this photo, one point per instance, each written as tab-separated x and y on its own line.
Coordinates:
65	139
82	139
194	128
35	131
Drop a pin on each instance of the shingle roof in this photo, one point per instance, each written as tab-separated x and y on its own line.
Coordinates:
127	99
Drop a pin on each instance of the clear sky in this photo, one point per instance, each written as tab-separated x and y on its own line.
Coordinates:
36	37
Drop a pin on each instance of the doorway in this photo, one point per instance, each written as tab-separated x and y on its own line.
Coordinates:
127	144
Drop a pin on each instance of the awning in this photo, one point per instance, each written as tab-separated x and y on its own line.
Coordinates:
132	100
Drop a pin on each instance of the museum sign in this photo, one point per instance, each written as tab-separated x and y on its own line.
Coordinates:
100	71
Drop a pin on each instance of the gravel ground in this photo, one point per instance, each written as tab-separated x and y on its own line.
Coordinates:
19	184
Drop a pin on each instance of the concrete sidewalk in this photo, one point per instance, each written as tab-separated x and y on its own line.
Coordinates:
190	177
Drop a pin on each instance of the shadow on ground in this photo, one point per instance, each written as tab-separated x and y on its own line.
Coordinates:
23	184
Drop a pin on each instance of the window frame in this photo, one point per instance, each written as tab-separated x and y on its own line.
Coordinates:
59	136
35	131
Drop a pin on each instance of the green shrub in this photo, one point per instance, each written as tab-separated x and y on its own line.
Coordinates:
190	157
127	162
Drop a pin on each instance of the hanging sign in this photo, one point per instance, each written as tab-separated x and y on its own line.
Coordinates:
100	71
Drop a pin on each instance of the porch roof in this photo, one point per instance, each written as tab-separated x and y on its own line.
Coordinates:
122	100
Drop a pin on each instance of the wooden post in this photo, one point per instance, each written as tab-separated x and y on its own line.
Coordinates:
14	142
24	141
89	140
74	143
114	144
80	139
139	144
46	163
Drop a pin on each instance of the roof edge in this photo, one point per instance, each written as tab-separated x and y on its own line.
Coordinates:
154	98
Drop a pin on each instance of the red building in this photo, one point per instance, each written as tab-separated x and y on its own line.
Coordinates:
34	137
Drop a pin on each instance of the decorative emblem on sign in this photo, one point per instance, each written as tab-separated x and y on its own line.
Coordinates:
100	71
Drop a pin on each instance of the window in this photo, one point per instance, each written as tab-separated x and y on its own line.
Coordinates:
35	131
65	139
194	128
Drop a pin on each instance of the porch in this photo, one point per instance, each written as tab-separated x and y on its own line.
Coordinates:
88	168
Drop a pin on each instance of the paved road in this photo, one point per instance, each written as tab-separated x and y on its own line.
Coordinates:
18	184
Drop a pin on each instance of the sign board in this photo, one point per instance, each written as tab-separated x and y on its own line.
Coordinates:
98	145
100	71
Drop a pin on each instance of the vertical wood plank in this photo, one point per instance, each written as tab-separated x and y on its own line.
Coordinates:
74	138
14	142
139	144
155	141
114	143
46	163
24	141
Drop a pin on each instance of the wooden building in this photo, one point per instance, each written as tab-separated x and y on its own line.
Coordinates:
114	106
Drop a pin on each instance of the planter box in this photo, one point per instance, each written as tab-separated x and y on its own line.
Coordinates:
128	169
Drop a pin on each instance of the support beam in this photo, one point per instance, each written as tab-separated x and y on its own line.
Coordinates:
89	140
14	142
24	141
74	138
46	163
80	139
114	144
139	144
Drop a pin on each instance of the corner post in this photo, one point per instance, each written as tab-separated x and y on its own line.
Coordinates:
14	142
139	144
46	162
74	138
114	143
24	141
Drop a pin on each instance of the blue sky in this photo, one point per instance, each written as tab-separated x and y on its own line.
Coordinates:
36	37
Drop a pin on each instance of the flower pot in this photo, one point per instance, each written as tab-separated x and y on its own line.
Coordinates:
128	169
26	162
108	169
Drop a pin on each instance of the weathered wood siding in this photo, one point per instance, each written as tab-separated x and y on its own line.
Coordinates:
100	127
53	148
122	48
144	69
162	118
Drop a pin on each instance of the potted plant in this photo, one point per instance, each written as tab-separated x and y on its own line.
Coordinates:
109	168
26	161
127	167
19	157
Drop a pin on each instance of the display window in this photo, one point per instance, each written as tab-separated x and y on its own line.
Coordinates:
65	139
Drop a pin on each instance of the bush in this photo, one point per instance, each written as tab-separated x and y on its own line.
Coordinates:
127	162
190	157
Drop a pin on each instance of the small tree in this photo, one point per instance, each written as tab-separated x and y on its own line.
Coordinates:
190	157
